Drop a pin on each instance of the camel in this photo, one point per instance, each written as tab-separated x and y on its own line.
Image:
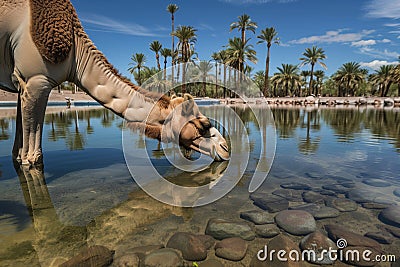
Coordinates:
42	44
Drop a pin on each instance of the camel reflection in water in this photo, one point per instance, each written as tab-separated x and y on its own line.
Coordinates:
54	241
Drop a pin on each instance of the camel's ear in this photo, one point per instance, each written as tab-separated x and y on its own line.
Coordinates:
187	105
187	97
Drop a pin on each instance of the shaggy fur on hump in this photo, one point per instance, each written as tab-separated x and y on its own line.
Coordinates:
52	28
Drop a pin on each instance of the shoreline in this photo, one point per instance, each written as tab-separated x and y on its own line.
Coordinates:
10	99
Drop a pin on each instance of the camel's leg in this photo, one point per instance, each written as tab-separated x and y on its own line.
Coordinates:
17	149
34	95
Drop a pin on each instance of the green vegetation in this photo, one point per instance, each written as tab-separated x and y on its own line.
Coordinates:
237	57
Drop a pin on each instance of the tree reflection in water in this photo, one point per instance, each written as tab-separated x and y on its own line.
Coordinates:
345	122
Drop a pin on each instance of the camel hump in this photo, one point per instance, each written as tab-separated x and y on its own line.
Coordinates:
52	28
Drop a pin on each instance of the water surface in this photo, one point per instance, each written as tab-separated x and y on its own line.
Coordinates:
86	195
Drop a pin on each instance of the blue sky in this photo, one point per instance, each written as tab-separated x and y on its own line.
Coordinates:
364	31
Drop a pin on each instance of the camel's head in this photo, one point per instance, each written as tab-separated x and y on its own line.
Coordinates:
193	130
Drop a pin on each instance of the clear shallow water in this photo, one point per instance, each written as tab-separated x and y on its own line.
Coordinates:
89	197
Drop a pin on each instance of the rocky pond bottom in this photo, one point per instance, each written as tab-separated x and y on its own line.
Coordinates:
335	214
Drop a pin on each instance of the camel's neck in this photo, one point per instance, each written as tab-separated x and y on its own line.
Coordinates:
99	79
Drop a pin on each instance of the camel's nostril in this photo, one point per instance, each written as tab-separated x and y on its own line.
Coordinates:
224	147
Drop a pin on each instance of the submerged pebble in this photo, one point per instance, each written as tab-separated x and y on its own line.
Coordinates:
270	202
296	186
221	229
267	230
317	242
233	249
289	194
257	216
391	215
192	248
318	211
165	257
376	182
341	204
296	222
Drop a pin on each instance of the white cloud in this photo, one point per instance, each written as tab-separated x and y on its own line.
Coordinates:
392	24
385	41
105	24
333	37
363	43
383	9
385	54
376	64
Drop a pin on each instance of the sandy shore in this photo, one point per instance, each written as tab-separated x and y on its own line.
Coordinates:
55	96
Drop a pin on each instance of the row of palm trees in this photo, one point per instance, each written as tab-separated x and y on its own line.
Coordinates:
350	79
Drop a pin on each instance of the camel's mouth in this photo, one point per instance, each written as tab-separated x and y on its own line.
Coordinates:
212	145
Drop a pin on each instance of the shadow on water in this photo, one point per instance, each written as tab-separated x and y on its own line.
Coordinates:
60	163
16	213
52	240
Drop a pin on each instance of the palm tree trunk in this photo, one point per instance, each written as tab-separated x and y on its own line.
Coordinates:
204	85
398	90
140	80
310	90
216	79
225	82
173	50
165	68
387	88
158	61
266	81
165	74
183	78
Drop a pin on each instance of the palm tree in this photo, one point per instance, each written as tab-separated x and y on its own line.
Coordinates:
204	68
146	74
156	46
138	63
248	70
383	78
396	77
155	80
172	9
187	39
223	56
304	74
312	56
216	56
319	75
165	52
239	53
269	36
258	79
288	78
349	76
244	24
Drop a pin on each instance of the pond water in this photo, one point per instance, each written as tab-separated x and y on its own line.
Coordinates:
85	194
